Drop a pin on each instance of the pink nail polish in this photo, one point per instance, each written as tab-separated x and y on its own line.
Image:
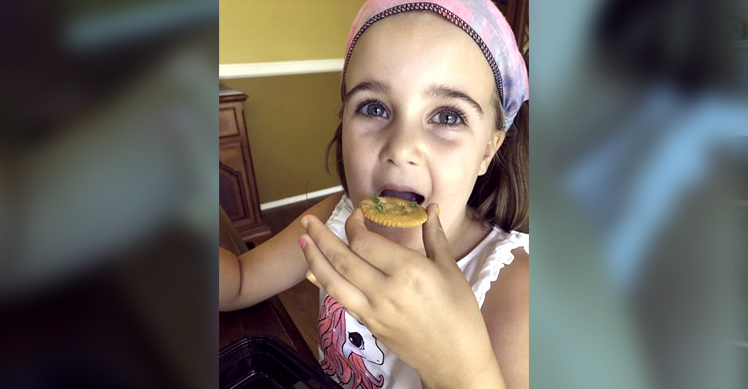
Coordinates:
302	242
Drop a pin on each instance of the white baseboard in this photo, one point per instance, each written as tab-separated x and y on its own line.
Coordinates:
286	68
296	199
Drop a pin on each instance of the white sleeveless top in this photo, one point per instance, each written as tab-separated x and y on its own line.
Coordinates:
353	357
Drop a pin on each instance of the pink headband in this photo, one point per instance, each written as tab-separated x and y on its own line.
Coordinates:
478	18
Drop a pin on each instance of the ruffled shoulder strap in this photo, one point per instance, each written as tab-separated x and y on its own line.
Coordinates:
483	265
336	222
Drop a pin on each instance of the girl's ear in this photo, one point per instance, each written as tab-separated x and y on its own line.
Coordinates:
497	138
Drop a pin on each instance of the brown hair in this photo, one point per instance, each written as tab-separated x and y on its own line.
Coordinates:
501	196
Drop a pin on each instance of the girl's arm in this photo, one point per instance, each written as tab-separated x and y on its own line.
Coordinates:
269	268
506	311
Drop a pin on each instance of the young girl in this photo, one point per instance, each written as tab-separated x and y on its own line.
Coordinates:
430	93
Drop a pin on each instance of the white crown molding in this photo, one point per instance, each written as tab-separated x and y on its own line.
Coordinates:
299	198
268	69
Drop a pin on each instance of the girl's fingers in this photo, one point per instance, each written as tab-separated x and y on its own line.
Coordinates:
326	277
354	268
434	240
355	226
373	248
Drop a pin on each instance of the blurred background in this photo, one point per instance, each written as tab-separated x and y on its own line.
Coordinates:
108	186
639	144
108	194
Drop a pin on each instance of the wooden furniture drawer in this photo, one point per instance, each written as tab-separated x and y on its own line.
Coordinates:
228	120
237	184
233	183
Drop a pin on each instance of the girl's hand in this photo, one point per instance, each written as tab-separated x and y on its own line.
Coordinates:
421	307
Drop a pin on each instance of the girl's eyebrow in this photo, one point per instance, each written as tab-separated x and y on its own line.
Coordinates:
434	90
439	90
373	86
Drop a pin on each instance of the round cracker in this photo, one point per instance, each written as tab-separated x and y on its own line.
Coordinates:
393	212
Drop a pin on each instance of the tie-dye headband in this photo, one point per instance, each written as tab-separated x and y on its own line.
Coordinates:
478	18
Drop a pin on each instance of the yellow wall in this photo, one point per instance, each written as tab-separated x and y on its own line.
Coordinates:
283	30
290	119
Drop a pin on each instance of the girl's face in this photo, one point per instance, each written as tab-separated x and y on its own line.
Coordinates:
418	115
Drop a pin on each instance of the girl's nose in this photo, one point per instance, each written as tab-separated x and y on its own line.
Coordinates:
403	145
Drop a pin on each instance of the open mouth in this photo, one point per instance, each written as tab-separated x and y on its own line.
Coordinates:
410	196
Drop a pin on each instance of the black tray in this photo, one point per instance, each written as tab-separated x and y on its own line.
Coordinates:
266	362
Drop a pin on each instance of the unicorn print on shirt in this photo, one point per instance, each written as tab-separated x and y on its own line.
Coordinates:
346	345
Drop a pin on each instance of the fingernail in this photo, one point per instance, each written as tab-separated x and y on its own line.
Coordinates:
302	242
437	209
304	222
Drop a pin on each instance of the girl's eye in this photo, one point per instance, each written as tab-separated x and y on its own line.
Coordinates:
451	117
372	108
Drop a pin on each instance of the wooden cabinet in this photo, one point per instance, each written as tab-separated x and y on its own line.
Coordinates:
237	185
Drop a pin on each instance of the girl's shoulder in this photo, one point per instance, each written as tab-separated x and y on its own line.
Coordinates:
513	240
506	313
489	260
508	261
499	246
